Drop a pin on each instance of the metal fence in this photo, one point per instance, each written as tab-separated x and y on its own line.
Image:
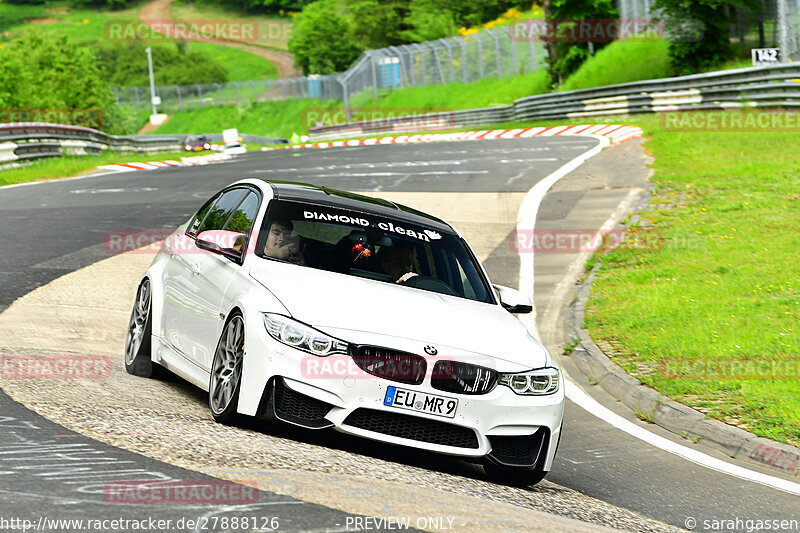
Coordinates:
491	53
766	87
24	142
772	24
494	53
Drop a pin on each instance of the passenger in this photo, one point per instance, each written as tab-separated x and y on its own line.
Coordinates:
282	244
397	261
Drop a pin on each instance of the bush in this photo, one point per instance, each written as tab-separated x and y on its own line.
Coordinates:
319	40
126	65
41	73
112	4
330	34
709	46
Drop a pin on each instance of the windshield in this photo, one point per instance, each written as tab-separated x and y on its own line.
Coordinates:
371	246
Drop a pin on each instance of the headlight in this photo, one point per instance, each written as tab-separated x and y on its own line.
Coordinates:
538	382
298	335
188	147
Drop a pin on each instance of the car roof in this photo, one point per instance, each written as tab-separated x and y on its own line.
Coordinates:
313	194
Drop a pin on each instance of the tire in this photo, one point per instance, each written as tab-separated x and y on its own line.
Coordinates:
138	341
226	372
516	477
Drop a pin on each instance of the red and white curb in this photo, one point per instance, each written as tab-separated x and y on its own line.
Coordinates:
616	133
152	165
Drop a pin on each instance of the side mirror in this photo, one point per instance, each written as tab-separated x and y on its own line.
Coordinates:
227	243
513	301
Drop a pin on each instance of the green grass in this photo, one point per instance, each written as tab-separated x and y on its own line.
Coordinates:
271	119
241	65
722	284
79	24
273	32
62	167
89	26
484	93
281	118
622	62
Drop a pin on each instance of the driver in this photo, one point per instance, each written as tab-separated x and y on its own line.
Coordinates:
281	244
398	263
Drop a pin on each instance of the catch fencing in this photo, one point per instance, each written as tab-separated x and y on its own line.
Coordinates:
765	87
491	53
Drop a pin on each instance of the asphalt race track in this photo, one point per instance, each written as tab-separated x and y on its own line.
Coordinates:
52	229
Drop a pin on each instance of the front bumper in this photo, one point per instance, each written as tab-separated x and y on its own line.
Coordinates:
353	403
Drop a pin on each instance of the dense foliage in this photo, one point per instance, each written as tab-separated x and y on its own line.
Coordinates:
329	34
126	65
40	72
700	37
565	57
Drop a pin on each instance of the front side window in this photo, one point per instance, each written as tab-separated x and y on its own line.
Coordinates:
372	246
218	215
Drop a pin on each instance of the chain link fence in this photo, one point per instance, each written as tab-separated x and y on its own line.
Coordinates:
773	24
491	53
494	53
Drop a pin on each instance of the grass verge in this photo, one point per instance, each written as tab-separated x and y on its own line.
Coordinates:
711	276
282	118
622	62
271	119
69	166
91	27
703	305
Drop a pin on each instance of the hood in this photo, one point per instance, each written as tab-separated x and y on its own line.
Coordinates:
329	301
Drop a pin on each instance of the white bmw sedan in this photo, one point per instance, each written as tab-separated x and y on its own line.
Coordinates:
322	308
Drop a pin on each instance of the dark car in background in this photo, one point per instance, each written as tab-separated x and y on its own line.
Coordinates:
196	143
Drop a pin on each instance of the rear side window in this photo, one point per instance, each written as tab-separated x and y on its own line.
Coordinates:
222	210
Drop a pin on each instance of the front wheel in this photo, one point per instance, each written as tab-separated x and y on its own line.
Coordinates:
138	360
516	477
226	372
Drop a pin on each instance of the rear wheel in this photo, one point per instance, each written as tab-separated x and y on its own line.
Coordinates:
138	359
226	372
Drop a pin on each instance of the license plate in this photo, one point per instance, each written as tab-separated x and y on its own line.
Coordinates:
420	402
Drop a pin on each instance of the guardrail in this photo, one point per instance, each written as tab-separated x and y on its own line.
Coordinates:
773	86
23	142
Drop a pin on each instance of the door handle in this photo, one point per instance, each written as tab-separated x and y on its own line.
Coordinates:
195	268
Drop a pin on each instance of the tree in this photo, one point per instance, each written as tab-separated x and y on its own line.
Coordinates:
41	74
699	32
565	57
428	20
39	71
319	39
